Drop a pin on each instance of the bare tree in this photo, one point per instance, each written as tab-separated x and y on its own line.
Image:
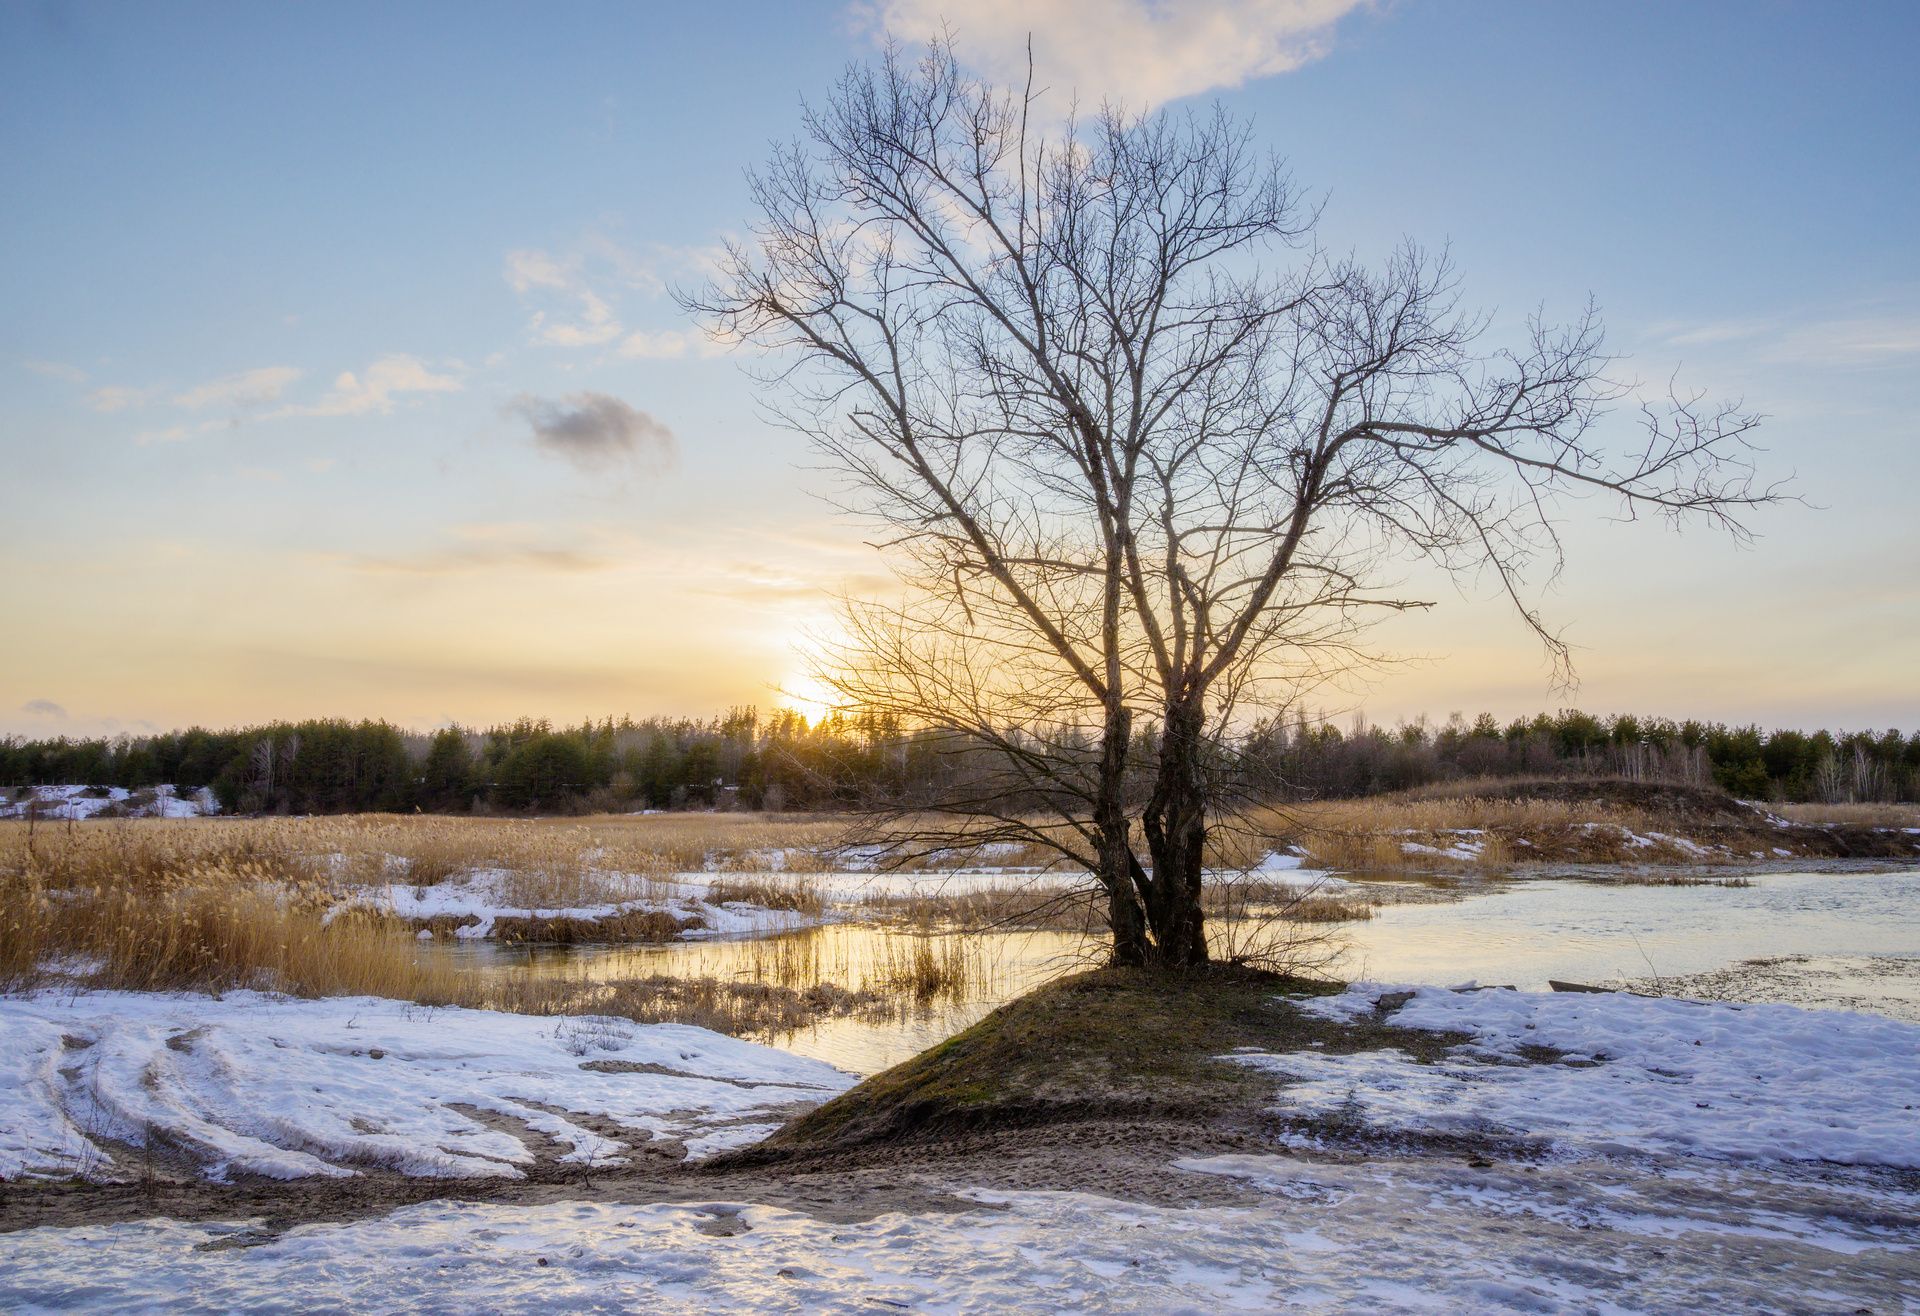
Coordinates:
1131	473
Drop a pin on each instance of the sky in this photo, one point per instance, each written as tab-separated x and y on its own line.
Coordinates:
340	372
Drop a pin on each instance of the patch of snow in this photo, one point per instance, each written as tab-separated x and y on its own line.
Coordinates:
1461	850
80	802
1680	843
272	1085
1648	1075
481	897
1363	1238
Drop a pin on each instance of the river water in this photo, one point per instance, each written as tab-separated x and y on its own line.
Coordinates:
1841	940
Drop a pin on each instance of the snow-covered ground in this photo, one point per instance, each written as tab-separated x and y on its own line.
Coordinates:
1326	1236
270	1085
90	801
482	897
1640	1074
1677	1157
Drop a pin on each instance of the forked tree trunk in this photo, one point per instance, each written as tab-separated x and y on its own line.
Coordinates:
1175	823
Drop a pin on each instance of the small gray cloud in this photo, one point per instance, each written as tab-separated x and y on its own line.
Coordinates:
596	432
44	708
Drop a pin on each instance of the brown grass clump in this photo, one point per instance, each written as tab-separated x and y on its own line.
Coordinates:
629	925
737	1008
930	966
1026	906
1679	879
793	894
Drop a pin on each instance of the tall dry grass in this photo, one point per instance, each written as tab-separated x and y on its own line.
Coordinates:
209	930
1016	906
1857	815
221	903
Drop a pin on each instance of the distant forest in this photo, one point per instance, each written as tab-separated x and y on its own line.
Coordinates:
780	762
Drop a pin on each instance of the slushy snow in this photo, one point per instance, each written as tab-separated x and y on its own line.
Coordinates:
1367	1237
270	1085
1633	1073
1660	1175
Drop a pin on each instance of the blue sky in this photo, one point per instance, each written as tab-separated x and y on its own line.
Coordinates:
288	290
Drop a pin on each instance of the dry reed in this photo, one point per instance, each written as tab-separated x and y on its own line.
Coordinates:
1856	815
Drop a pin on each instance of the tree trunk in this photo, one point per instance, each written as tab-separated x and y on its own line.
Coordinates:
1175	822
1115	847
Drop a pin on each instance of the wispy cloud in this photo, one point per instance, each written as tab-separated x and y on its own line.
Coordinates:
574	294
593	323
1140	53
59	370
669	345
486	547
176	433
1865	341
246	388
120	397
247	395
243	390
528	269
378	388
1859	340
749	582
44	717
595	431
463	561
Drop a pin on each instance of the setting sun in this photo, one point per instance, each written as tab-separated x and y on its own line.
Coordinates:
807	696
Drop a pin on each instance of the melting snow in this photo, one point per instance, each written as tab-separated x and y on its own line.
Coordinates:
1368	1237
1637	1073
1684	1160
282	1087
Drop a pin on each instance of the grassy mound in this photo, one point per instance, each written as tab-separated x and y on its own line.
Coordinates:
1697	804
1112	1044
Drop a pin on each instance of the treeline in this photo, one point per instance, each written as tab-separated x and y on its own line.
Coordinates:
1320	760
336	766
745	760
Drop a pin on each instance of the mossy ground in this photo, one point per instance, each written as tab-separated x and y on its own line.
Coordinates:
1111	1044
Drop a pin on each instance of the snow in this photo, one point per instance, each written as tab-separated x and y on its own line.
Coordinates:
270	1085
1635	1195
1275	862
855	883
1313	1235
1655	840
80	802
1464	850
481	896
1639	1074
